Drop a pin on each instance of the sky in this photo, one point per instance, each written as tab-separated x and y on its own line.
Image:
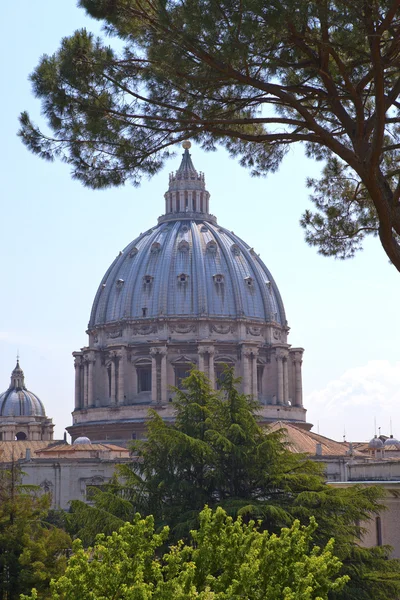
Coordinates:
57	239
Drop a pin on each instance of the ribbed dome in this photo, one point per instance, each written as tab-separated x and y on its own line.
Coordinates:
375	444
17	401
187	266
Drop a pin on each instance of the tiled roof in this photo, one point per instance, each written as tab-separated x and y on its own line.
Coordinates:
83	448
10	451
301	441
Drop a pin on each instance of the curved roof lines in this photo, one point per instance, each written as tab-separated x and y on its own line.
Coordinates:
151	280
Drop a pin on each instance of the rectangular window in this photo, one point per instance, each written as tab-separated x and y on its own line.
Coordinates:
144	379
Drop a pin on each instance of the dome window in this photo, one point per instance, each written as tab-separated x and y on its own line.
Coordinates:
103	285
235	249
120	283
211	247
183	278
148	279
218	278
249	281
185	229
133	252
203	229
183	246
155	248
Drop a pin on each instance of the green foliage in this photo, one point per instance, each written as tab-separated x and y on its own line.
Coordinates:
216	454
225	560
32	551
254	76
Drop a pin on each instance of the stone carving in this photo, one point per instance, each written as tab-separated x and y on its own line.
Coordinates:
250	352
277	334
114	333
253	330
281	354
222	329
144	329
95	339
182	328
46	486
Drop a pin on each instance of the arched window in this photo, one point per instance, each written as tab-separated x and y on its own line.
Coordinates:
21	436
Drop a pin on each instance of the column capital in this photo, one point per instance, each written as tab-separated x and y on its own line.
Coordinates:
281	354
250	351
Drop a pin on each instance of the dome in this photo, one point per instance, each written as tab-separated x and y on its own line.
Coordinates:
17	401
391	441
187	266
81	440
186	292
375	444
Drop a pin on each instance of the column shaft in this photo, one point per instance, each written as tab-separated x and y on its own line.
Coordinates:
280	379
254	369
211	369
154	378
285	382
298	384
77	385
90	383
164	390
121	377
113	382
85	385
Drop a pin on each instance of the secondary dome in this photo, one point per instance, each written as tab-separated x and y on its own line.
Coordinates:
17	401
81	440
187	266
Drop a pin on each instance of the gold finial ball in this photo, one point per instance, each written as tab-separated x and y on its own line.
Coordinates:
186	145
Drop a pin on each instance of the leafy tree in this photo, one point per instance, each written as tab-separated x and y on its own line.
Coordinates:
31	550
216	454
225	560
254	76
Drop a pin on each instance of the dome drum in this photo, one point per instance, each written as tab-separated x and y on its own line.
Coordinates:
185	292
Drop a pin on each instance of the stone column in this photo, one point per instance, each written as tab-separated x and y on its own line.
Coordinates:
201	352
246	358
285	380
254	373
164	385
78	400
298	392
85	384
279	361
153	354
90	380
211	368
121	375
113	382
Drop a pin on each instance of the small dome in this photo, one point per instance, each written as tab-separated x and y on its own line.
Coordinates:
375	444
81	440
391	441
17	401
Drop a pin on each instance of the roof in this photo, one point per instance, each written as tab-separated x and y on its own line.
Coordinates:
10	451
301	441
187	266
72	449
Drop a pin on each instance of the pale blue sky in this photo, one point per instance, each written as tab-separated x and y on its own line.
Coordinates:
58	238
